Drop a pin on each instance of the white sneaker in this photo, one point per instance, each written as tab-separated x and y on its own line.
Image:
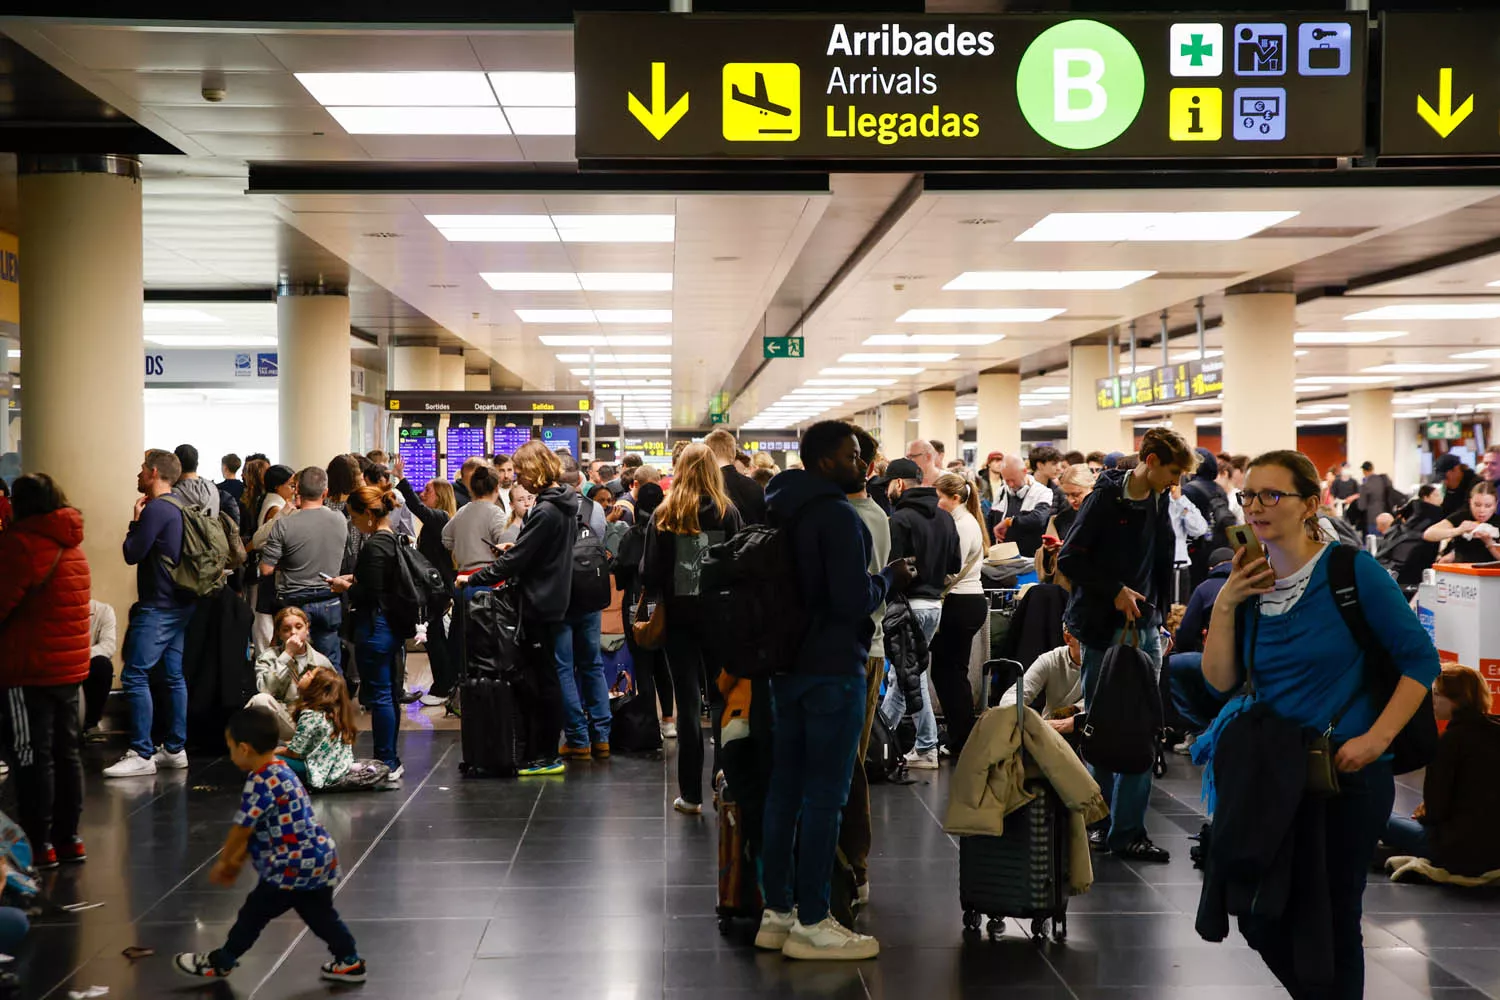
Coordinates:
829	941
397	774
172	761
687	808
862	894
669	730
432	701
132	765
922	761
774	929
1186	746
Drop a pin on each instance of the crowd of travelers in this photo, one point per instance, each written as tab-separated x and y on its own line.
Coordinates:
309	571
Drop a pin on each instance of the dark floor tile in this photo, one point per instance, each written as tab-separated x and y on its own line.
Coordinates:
606	849
555	904
1390	898
518	937
419	954
1202	968
418	876
972	965
584	974
1469	930
765	973
1477	968
575	874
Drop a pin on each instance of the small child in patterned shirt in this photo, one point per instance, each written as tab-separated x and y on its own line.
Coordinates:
295	857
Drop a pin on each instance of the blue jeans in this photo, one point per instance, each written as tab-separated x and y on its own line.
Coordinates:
325	616
818	724
13	928
580	671
893	708
1407	837
154	636
1197	704
1127	795
375	651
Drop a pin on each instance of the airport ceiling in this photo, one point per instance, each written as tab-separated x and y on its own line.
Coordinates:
274	180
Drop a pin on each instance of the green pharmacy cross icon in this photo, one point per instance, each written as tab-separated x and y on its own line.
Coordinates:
1197	49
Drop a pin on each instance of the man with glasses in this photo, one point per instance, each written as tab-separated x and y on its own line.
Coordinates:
926	458
1119	555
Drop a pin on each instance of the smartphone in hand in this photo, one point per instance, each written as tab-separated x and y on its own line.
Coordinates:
1242	536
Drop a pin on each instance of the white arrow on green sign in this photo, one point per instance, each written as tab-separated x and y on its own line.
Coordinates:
781	347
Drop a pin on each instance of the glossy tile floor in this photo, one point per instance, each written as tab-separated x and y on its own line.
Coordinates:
589	886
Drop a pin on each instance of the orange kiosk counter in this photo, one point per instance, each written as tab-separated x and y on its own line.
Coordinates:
1467	612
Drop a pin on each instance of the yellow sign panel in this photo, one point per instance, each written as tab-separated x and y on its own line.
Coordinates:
10	279
762	102
1195	114
394	404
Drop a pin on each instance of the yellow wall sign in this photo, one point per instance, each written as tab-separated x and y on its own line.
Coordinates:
394	404
1195	114
10	279
762	102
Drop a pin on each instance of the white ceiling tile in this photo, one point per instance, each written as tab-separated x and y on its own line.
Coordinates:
544	49
372	51
143	49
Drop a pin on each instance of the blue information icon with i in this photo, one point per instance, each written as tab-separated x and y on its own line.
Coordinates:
1260	114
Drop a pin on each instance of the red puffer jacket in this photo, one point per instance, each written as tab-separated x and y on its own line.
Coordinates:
44	637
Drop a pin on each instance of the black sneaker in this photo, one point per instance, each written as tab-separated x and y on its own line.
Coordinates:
1098	841
350	971
1144	850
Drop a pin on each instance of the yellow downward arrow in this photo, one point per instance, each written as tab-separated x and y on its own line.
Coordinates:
658	119
1445	119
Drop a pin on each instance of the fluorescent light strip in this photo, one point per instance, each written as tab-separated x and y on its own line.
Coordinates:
850	381
1487	353
1150	227
1431	311
978	315
567	281
932	339
895	359
157	314
421	121
540	90
406	90
1439	368
607	340
1045	281
622	383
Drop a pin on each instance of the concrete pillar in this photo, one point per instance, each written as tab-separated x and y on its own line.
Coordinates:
1406	469
999	414
476	381
1185	422
81	347
1372	429
415	369
891	429
1260	373
451	372
312	342
935	420
1090	428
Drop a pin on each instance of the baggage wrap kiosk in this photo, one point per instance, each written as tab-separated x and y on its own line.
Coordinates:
437	431
1460	609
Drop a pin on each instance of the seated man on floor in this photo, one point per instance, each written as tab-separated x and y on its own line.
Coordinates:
1059	673
279	668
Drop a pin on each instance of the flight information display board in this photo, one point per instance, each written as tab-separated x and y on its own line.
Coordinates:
1169	384
508	440
1016	86
650	449
463	444
418	448
561	438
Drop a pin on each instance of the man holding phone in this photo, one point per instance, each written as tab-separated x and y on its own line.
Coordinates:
305	551
1119	555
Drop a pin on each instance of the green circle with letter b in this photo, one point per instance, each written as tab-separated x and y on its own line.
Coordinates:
1080	84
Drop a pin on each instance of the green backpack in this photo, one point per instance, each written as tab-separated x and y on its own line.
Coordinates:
205	553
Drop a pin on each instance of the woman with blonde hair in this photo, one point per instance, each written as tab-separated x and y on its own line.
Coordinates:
1076	485
964	608
696	514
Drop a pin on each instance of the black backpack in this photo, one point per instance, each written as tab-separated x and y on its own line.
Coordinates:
591	589
1416	744
418	584
883	761
1119	733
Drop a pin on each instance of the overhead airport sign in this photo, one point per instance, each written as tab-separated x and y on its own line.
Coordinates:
486	402
1440	83
781	347
1169	384
668	86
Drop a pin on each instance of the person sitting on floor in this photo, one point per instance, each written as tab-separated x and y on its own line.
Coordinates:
1454	827
279	670
322	748
1059	673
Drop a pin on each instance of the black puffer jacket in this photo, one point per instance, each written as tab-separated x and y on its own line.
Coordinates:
906	648
542	558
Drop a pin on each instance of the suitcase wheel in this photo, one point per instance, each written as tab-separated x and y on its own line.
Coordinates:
724	926
971	920
1038	928
994	927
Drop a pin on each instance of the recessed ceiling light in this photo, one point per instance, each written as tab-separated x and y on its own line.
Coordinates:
1050	390
607	340
1327	380
978	315
532	281
407	90
639	383
932	339
1309	387
581	316
1183	357
1432	311
208	340
166	315
895	359
421	121
534	90
1423	369
615	359
850	381
1044	281
542	121
1491	352
1150	227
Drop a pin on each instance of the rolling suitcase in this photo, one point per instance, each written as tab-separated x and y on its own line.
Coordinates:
491	734
1022	873
739	889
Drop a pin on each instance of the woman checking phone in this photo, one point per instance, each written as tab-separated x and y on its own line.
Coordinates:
1308	668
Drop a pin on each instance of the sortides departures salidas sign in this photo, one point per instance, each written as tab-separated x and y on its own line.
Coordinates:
699	87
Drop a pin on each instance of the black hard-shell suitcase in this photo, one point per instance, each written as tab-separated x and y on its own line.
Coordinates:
491	736
1022	873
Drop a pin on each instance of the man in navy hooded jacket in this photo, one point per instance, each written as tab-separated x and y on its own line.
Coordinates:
820	702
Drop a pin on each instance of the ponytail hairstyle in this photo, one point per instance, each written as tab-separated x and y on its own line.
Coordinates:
326	693
957	487
373	500
1304	478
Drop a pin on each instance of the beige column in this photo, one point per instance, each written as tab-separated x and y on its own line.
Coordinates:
1185	422
891	424
81	347
476	371
1090	428
1372	430
999	414
312	342
1406	470
416	369
476	381
935	420
451	372
1260	373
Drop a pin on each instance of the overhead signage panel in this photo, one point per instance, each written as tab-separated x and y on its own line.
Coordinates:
487	402
1169	384
981	87
1440	83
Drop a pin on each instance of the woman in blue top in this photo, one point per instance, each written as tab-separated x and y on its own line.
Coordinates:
1307	668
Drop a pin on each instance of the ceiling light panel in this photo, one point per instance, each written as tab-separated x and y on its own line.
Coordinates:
532	281
542	121
1437	368
453	90
534	90
607	340
932	339
895	359
421	121
1150	227
1431	311
615	359
1488	353
622	372
978	315
167	315
850	381
1324	338
1045	281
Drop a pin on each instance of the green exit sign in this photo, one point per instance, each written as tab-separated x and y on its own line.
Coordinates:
782	347
718	418
1445	430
